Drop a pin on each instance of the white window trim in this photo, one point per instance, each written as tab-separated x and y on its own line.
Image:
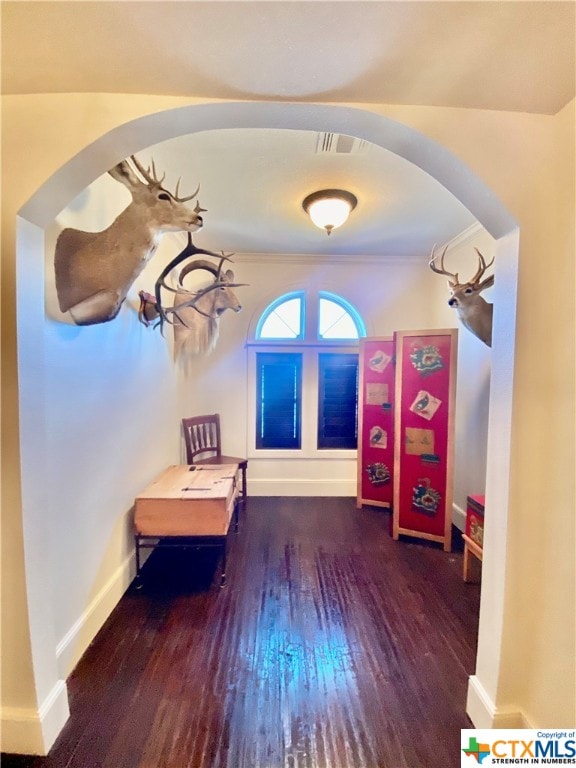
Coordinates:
309	436
310	347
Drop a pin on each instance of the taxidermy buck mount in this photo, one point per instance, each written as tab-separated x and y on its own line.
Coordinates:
474	312
194	315
95	270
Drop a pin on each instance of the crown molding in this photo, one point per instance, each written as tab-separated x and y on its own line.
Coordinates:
466	236
323	258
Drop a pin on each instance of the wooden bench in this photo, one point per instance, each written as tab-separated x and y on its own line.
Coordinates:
187	507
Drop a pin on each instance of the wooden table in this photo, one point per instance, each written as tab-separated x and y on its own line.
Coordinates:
187	507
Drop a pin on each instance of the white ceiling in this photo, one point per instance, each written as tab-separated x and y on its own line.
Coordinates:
488	55
513	55
252	183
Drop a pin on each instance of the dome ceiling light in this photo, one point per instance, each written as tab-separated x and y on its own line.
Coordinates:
329	208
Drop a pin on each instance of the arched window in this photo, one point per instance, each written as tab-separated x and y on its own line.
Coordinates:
306	373
285	318
337	319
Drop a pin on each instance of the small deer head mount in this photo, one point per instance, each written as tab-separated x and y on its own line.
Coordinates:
193	314
474	312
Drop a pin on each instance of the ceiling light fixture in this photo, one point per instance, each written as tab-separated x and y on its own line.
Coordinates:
329	208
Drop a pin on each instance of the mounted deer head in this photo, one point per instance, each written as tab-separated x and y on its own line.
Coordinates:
194	314
474	312
94	270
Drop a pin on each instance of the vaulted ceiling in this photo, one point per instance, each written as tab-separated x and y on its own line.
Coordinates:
513	56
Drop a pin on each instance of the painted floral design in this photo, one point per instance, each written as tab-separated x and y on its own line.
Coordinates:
378	473
424	498
427	359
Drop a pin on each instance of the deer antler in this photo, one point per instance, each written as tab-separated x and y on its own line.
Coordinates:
194	298
189	250
190	197
482	267
197	264
155	175
202	264
197	295
152	178
145	173
216	271
442	270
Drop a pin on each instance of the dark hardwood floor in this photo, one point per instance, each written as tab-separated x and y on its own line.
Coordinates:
331	646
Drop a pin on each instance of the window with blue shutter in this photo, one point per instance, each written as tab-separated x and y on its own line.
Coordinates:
337	400
279	398
324	329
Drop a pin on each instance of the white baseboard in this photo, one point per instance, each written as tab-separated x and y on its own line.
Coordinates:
84	630
459	517
485	714
33	732
279	487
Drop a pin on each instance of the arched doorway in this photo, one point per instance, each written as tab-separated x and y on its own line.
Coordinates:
395	137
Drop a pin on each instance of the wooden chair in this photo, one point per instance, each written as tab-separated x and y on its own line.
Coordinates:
203	446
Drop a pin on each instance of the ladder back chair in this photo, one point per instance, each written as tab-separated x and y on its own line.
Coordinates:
203	446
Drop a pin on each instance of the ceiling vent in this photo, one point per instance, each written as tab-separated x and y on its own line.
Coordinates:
339	144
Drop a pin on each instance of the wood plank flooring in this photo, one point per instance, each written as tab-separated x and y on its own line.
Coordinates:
331	646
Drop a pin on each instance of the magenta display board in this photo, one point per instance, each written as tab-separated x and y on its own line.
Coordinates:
376	422
424	426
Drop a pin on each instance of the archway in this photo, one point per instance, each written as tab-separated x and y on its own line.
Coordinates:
415	147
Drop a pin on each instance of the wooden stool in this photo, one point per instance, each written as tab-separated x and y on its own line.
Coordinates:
470	548
474	535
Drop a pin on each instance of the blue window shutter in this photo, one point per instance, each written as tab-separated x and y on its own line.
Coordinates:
338	401
279	400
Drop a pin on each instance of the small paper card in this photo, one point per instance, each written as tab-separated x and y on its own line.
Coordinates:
425	404
378	437
376	393
379	361
419	441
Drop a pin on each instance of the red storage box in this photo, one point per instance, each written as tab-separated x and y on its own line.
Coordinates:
475	519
